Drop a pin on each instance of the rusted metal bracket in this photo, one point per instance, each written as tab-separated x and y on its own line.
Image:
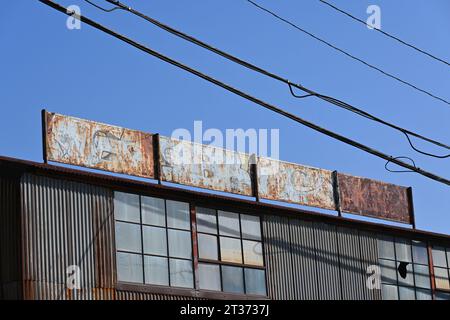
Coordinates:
44	135
156	158
411	207
336	193
254	176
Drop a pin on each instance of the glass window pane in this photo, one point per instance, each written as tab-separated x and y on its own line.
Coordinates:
129	267
405	278
180	244
253	253
442	296
423	294
230	250
255	281
181	273
439	259
207	247
153	211
229	224
407	293
251	227
126	207
178	215
388	271
209	276
156	270
441	278
420	252
422	276
155	241
386	248
128	237
389	292
403	250
206	220
233	279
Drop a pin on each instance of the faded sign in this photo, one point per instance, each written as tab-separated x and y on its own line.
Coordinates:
95	145
204	166
295	183
374	199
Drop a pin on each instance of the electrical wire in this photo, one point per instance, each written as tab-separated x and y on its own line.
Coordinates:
101	8
385	33
243	94
400	171
309	92
349	54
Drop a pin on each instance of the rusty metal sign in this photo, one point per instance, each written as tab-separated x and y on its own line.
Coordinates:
95	145
375	199
205	166
295	183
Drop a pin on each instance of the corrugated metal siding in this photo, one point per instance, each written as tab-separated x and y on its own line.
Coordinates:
10	276
308	260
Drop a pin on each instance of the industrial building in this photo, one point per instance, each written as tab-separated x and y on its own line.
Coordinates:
127	239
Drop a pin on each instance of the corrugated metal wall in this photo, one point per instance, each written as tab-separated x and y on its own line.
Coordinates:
10	275
310	260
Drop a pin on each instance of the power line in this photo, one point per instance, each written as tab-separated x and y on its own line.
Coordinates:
309	92
243	94
409	84
386	33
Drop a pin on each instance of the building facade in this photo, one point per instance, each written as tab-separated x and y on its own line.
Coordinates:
70	234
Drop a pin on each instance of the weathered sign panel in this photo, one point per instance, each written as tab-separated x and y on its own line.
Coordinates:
204	166
295	183
95	145
374	199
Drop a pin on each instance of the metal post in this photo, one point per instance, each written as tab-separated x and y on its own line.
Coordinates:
412	216
44	135
254	176
336	193
156	158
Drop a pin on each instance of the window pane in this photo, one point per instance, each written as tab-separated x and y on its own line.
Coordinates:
251	227
233	279
388	271
405	279
253	253
206	220
155	241
441	278
178	215
442	296
129	267
407	293
126	207
209	276
180	244
403	250
153	211
181	273
422	276
423	294
156	270
439	259
386	248
229	224
420	252
128	237
230	250
207	247
255	281
389	292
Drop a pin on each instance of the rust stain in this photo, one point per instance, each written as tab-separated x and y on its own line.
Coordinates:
99	146
374	199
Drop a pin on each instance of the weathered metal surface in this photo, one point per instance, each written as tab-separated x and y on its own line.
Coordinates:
205	166
374	199
295	183
95	145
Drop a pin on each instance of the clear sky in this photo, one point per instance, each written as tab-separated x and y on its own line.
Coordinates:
88	74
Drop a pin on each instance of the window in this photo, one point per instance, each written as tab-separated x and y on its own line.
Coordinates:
153	241
441	269
404	269
154	245
230	252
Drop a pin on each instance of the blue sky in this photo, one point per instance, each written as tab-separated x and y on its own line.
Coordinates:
88	74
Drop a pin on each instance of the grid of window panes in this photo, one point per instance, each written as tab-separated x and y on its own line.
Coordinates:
230	252
441	264
153	241
404	269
